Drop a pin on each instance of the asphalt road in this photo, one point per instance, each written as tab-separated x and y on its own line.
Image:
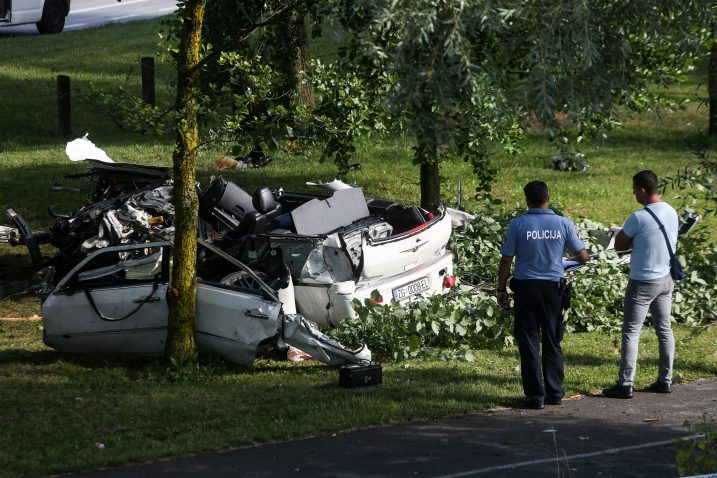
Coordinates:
583	437
94	13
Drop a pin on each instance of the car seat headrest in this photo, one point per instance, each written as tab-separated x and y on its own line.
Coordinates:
263	200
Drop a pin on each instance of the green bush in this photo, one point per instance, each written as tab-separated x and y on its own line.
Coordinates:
477	247
695	299
598	288
448	326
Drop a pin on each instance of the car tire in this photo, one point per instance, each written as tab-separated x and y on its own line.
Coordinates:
53	17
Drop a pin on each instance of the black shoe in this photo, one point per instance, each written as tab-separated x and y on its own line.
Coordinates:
659	387
261	162
553	400
533	404
618	391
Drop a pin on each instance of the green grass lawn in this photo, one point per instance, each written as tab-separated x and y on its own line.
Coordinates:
55	407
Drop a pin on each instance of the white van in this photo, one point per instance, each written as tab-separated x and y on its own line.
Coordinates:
48	15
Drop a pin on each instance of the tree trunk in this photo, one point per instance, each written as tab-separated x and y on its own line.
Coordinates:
302	59
430	186
294	57
181	344
713	87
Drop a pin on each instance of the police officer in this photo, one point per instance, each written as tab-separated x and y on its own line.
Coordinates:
538	240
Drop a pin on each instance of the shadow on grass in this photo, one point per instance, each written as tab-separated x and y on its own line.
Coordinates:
26	357
21	356
213	369
689	365
586	360
659	139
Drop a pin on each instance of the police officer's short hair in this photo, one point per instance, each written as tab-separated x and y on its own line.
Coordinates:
536	193
646	180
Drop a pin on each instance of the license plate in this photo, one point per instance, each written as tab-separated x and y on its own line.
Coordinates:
413	288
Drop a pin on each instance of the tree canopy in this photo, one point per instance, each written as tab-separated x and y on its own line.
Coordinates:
467	73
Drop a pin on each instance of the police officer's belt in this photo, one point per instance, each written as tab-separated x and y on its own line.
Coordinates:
533	282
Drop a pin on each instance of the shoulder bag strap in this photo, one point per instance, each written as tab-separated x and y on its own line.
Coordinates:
662	228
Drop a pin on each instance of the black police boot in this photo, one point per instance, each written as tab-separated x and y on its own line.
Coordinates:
659	387
553	400
533	404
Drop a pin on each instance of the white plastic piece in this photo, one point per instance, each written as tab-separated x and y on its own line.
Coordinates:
82	149
288	298
334	185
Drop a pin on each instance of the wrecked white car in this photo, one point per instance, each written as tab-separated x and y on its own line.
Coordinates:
337	248
268	262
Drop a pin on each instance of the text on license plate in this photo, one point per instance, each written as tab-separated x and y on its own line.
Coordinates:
416	287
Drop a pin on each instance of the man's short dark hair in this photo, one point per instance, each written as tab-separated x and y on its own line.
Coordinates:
536	193
646	180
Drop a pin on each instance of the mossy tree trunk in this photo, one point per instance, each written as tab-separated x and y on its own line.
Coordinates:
181	344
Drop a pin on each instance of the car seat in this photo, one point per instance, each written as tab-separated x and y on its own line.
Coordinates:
265	210
266	207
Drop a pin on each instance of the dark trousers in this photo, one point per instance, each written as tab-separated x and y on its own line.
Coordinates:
538	309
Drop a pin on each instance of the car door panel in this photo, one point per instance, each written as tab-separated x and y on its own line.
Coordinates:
73	325
111	306
232	322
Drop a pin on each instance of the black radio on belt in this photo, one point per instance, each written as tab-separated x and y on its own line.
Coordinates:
355	375
566	293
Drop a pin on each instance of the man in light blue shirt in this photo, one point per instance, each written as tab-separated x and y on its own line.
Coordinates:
650	258
650	286
538	239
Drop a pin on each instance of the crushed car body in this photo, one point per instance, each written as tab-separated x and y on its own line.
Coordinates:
270	265
337	248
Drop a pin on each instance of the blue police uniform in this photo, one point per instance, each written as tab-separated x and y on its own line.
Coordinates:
538	240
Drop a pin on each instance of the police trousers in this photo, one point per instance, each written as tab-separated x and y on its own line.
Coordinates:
538	318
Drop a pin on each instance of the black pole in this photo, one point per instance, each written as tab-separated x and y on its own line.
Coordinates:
63	105
147	63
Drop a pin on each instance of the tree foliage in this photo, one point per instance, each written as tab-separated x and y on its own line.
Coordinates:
346	108
698	185
466	74
258	53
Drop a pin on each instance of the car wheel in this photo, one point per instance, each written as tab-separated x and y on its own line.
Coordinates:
53	17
